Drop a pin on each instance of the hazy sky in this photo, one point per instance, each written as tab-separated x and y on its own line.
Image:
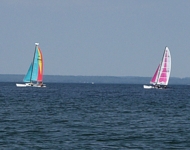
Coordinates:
95	37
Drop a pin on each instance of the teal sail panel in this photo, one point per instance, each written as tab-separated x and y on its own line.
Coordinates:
28	75
35	66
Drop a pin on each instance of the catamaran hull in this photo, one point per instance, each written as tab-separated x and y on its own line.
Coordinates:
21	85
153	87
148	87
30	85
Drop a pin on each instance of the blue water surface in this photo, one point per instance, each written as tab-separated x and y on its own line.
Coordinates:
94	116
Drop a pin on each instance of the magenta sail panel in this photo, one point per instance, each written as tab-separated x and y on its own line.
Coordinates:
154	78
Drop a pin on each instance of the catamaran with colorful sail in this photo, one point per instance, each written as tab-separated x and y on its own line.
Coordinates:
34	76
162	74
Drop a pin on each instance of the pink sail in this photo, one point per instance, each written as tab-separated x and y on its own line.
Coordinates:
162	74
155	77
165	68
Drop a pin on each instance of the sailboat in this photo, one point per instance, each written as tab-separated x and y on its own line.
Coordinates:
161	77
34	76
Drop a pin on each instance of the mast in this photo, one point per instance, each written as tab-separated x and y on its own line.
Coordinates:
36	44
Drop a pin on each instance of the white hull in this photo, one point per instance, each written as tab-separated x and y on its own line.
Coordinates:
21	85
153	87
148	87
30	85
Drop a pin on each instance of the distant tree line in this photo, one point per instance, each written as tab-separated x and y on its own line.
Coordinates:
93	79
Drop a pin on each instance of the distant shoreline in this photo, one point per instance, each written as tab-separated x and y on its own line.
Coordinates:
93	79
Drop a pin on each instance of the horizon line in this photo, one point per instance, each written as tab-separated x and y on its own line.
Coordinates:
96	76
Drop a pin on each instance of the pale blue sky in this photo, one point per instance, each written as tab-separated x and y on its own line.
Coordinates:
95	37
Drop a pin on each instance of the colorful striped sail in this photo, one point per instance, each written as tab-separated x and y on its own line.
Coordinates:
35	71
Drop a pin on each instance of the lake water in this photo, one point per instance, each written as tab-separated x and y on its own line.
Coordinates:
94	116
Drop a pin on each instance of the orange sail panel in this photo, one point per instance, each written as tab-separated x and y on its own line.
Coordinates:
40	66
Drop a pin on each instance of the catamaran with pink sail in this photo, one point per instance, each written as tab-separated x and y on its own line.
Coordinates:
34	76
162	74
